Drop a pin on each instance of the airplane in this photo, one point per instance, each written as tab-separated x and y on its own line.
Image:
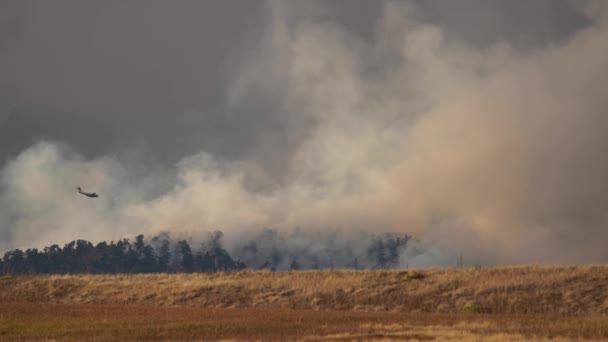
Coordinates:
88	194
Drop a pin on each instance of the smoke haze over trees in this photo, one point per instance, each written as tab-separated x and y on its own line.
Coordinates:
477	126
270	250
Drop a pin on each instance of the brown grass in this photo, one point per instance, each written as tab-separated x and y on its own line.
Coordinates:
29	321
579	290
510	303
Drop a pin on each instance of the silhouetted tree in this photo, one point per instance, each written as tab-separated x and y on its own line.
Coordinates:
148	260
187	259
15	262
164	256
139	244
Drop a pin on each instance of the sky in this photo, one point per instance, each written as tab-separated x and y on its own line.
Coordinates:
476	126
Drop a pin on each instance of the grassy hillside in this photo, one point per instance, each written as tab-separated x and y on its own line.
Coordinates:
511	290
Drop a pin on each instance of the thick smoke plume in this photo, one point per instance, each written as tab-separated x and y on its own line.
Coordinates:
493	151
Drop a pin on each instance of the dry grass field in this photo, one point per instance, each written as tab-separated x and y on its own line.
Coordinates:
511	303
19	321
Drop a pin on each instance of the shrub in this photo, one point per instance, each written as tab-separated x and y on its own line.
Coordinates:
471	307
414	276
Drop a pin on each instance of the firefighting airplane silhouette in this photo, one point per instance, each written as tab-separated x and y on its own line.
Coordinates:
88	194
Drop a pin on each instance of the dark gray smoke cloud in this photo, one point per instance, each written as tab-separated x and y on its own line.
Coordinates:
104	75
154	75
477	126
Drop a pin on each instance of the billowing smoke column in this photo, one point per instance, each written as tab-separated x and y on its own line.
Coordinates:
493	152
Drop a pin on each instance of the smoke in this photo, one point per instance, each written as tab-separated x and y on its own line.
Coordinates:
310	249
495	151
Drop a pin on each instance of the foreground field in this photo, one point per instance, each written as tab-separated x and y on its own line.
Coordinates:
20	321
511	303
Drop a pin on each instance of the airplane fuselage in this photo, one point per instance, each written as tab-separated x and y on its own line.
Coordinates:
88	194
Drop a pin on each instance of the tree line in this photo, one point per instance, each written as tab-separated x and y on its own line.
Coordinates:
162	255
81	256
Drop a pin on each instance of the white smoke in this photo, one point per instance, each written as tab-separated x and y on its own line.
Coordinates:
494	153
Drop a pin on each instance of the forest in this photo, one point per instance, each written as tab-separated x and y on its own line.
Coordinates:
269	250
